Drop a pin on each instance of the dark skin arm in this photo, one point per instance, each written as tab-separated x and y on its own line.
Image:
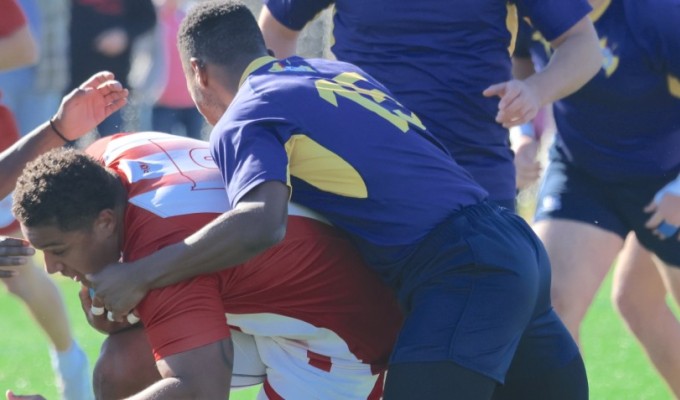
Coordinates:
80	111
99	322
201	373
255	224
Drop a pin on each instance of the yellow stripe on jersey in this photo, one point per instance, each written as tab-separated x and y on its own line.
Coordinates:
599	9
255	64
674	86
512	23
323	169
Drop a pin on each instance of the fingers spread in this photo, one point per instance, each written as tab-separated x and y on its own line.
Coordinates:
97	79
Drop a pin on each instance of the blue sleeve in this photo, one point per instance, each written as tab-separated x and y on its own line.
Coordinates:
248	154
295	14
553	17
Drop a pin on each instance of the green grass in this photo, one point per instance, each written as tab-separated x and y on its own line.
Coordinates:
617	367
24	361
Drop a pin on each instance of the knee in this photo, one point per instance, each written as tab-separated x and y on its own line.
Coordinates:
623	302
636	310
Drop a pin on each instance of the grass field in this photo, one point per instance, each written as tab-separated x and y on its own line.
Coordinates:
616	365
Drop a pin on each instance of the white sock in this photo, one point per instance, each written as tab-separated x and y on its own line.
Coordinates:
72	372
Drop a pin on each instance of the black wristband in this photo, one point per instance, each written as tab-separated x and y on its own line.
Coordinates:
61	136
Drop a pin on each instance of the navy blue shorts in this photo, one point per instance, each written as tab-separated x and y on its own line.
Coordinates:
472	290
569	193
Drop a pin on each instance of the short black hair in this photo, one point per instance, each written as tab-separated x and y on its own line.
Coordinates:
66	188
221	32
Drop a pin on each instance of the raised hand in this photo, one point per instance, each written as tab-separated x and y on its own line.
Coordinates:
90	104
519	103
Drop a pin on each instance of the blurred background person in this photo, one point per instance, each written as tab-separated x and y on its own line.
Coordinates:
17	46
33	93
449	62
613	168
102	34
173	111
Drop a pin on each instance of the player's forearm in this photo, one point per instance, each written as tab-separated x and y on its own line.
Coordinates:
229	240
576	59
167	388
278	38
14	159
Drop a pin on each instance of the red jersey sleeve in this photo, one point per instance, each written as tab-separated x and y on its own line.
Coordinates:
11	17
184	316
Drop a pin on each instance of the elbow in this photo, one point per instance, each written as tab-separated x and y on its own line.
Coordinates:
265	237
274	236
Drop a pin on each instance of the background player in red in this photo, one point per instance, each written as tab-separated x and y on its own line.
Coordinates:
17	45
322	322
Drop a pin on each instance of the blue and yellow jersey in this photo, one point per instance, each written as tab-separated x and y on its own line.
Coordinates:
437	56
344	145
625	123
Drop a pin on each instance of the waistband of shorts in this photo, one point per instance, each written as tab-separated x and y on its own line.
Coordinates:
455	225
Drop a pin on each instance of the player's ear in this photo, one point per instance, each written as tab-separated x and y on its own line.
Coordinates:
200	71
106	223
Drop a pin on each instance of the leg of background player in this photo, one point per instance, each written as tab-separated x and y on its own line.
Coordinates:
581	255
43	299
640	296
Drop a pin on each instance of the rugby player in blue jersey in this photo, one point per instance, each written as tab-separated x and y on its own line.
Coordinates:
448	61
613	170
471	276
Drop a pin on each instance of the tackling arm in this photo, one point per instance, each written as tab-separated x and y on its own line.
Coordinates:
255	224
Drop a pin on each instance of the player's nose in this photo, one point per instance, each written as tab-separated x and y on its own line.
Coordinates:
52	266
